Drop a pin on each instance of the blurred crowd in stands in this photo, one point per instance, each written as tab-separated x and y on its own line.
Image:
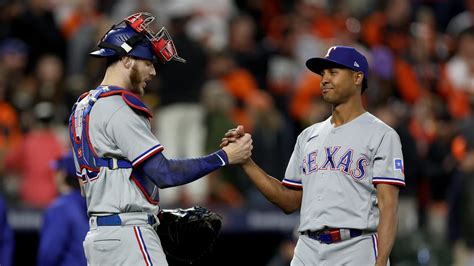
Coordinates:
246	65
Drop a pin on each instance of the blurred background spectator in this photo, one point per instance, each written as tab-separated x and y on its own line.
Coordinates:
65	221
28	162
7	241
246	66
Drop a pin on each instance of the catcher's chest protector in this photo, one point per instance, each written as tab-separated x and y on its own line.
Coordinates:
88	160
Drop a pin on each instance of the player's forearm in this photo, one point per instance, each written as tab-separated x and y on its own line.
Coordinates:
286	199
387	228
386	237
169	173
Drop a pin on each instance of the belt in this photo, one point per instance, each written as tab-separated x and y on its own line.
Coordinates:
333	235
125	219
112	163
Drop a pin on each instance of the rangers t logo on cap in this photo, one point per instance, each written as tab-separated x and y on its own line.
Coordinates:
340	56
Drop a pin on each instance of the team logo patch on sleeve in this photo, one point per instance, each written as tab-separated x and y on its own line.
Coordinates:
398	165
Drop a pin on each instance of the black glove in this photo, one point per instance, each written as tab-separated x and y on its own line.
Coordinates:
188	234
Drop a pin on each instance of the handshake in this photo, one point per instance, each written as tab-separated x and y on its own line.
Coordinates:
238	145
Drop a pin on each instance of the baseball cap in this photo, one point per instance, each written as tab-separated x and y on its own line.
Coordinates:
13	46
65	163
341	56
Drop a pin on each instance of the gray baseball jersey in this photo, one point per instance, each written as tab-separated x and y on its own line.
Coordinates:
115	130
337	168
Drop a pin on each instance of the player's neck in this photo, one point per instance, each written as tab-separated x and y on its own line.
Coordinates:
344	113
114	77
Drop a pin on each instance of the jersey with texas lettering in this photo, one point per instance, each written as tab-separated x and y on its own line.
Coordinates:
338	168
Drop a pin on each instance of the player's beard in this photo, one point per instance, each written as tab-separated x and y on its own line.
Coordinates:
137	82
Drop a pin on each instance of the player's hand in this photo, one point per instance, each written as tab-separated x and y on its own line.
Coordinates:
232	135
239	150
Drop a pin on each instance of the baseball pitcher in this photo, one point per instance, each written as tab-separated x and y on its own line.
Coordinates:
344	174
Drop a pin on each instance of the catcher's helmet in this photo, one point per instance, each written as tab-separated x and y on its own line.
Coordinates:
134	37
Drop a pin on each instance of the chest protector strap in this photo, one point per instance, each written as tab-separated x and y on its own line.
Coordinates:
88	159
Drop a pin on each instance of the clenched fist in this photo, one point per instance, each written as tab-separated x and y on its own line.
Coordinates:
237	145
232	135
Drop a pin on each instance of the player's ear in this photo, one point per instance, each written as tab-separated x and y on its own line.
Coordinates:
127	61
358	78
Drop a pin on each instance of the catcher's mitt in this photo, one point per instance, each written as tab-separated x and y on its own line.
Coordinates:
188	234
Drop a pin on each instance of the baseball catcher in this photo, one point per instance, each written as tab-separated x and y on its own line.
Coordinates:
117	155
188	234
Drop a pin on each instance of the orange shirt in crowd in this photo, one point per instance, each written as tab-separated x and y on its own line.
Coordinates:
306	90
408	85
241	84
11	134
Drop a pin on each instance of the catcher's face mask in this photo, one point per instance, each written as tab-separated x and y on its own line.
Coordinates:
161	42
